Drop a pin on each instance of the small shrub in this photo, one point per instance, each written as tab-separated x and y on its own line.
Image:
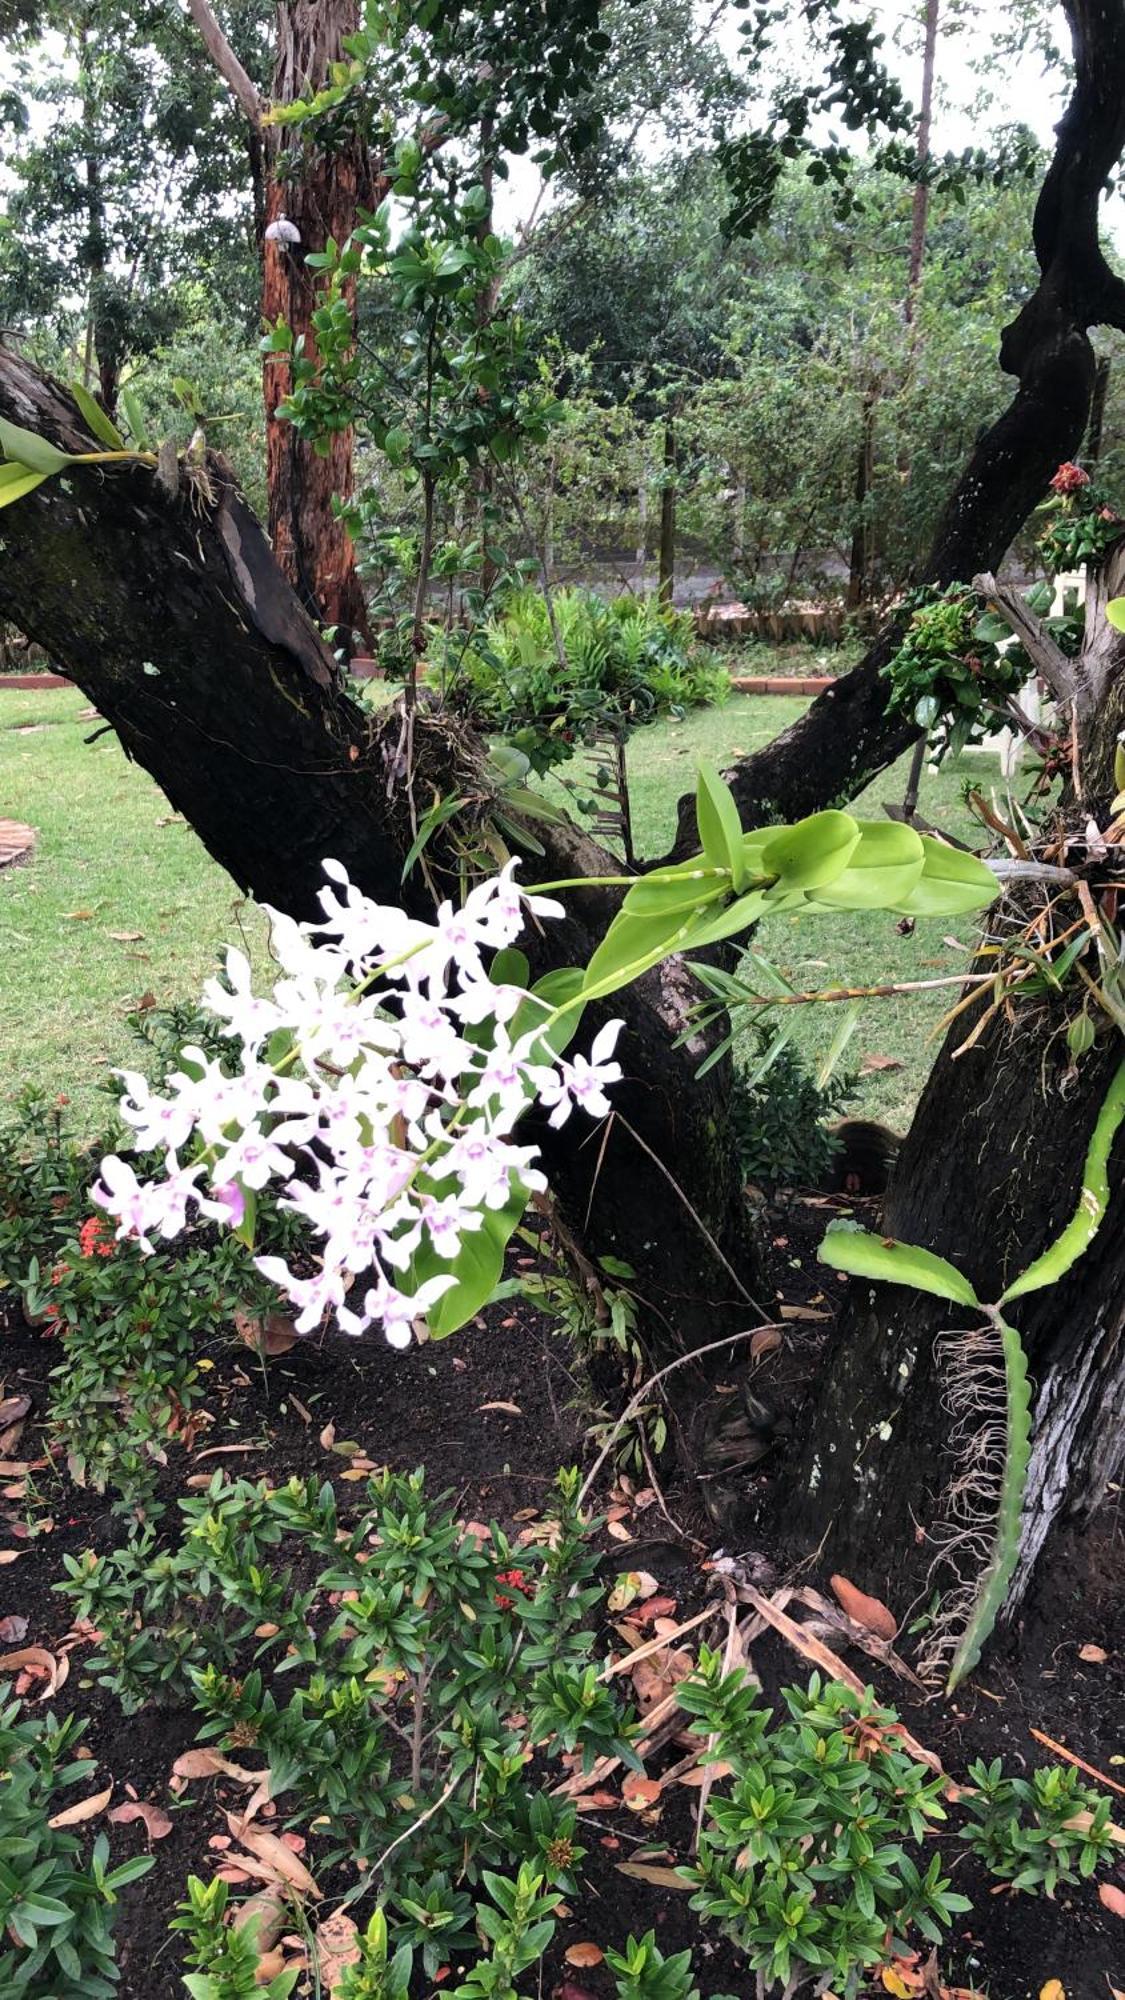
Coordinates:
804	1861
1037	1832
779	1111
419	1667
629	660
226	1955
643	1972
57	1909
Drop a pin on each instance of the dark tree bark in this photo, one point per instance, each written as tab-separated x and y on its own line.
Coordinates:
921	202
666	578
171	615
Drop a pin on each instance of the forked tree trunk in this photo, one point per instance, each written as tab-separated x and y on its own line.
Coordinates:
989	1174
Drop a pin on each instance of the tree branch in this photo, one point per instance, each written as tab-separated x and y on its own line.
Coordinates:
226	62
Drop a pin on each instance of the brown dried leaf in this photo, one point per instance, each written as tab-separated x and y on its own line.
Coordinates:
873	1064
337	1946
1097	1655
766	1341
272	1335
13	1627
649	1871
273	1854
156	1821
126	937
39	1662
584	1955
328	1437
209	1763
12	1409
618	1532
513	1409
653	1608
83	1809
639	1792
1112	1898
866	1611
706	1774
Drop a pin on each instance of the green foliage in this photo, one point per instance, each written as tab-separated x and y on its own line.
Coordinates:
628	661
779	1112
226	1955
128	1325
643	1972
398	1700
57	1907
953	673
1037	1832
805	1860
517	1924
848	1247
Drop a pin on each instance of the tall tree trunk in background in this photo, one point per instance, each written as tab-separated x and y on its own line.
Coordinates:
989	1174
100	357
859	564
318	192
666	580
921	156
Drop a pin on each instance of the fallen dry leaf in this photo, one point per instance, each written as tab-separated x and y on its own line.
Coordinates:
600	1801
11	1555
618	1532
208	1763
12	1409
866	1611
639	1793
337	1946
873	1064
1112	1898
13	1628
77	916
650	1871
328	1437
38	1662
652	1608
583	1955
707	1773
83	1809
766	1341
1097	1655
569	1989
274	1854
156	1821
513	1409
126	937
630	1585
893	1982
272	1335
1053	1990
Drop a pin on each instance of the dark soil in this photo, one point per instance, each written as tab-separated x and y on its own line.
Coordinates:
425	1406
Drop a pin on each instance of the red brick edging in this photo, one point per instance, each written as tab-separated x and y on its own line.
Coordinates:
367	670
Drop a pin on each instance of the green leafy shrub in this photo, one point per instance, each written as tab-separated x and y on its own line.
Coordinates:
953	673
425	1666
128	1325
1037	1832
226	1955
804	1861
1081	526
57	1908
629	660
779	1113
643	1972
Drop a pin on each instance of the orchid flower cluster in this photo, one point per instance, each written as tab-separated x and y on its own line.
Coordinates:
381	1085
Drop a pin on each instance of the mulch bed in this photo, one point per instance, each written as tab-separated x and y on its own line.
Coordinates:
429	1406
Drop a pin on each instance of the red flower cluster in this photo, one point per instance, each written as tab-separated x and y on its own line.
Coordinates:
93	1240
518	1581
1069	479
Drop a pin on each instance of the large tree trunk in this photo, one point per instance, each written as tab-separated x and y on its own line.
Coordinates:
317	189
989	1174
171	615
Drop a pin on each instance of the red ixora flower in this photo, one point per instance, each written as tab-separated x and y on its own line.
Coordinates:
518	1581
93	1240
1069	479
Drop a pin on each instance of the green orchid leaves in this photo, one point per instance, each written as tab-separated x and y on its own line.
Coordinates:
829	861
855	1251
1092	1202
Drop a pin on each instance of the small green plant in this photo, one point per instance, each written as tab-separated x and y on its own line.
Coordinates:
225	1955
805	1861
1037	1832
952	673
376	1974
412	1675
779	1112
1081	525
643	1972
57	1908
516	1926
629	660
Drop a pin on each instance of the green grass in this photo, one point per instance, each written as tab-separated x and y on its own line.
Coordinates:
111	859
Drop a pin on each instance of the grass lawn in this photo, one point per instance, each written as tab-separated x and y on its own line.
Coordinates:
119	899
